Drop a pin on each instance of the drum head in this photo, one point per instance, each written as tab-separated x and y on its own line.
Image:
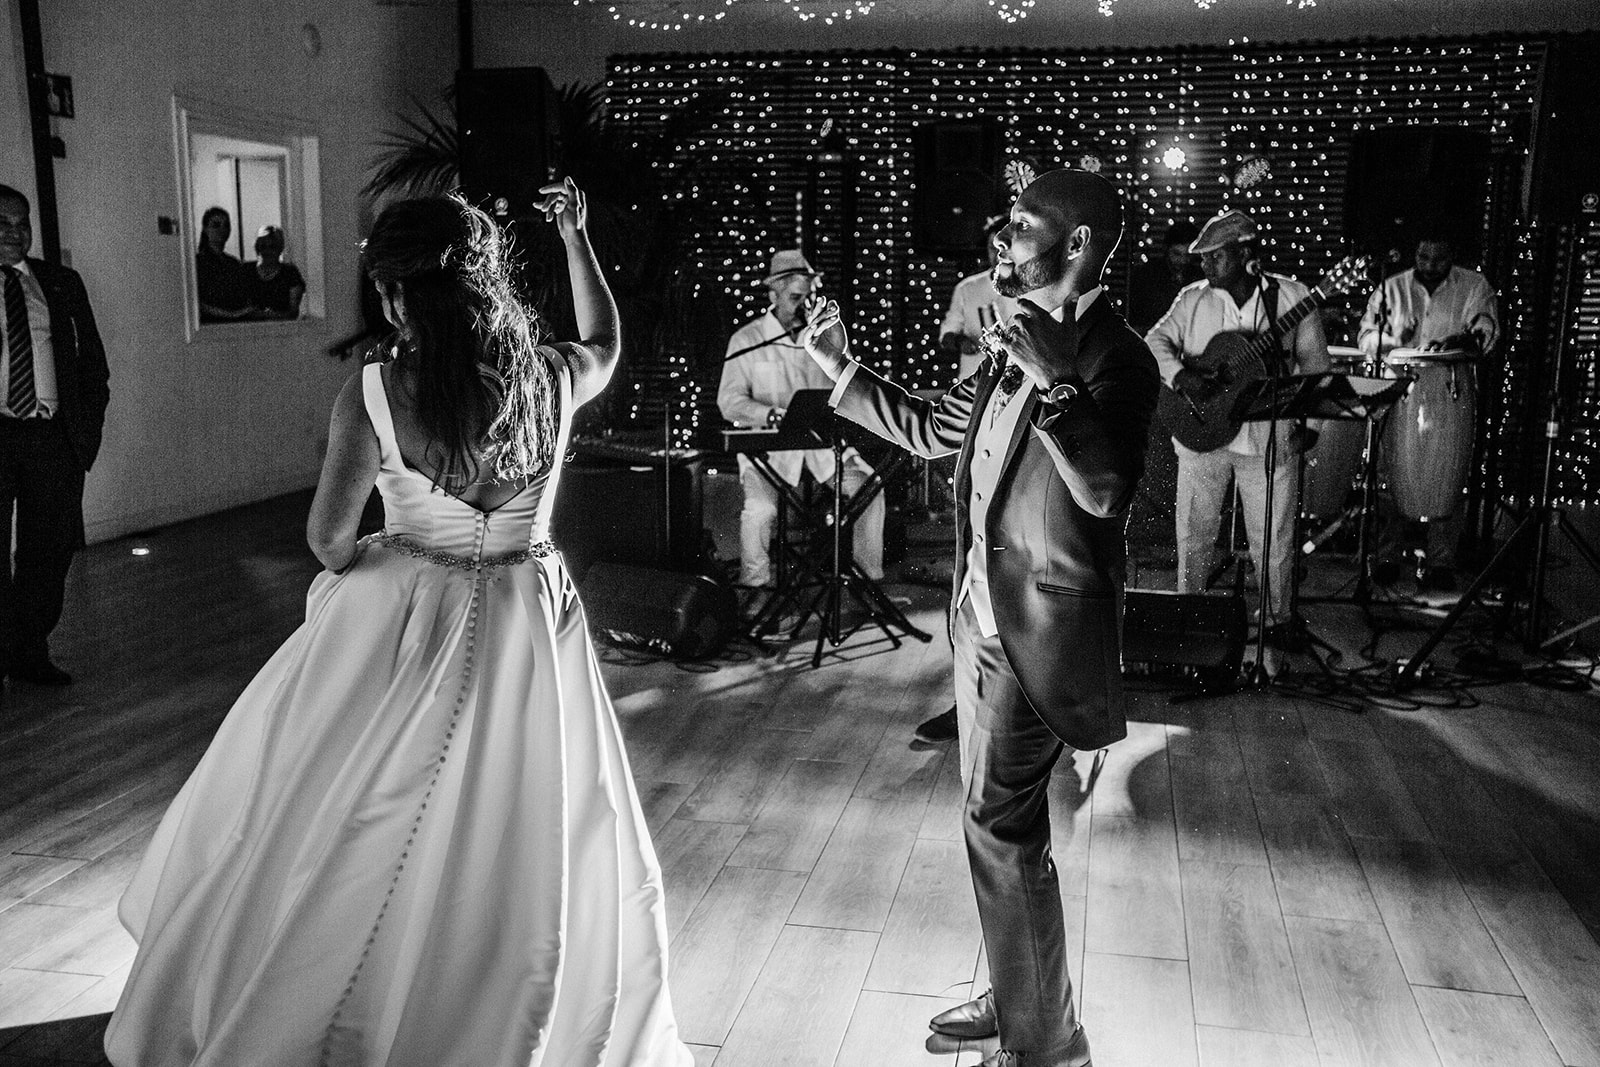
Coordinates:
1346	359
1423	357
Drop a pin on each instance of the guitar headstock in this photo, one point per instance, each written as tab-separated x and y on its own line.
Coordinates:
1345	274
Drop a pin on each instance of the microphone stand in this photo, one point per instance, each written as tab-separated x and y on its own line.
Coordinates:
1257	677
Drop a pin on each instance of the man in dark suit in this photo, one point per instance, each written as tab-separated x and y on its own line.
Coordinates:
53	395
1051	434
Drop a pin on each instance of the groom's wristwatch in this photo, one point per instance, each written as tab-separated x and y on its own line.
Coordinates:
1061	394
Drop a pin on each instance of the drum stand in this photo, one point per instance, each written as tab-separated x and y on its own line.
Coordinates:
1364	511
1535	523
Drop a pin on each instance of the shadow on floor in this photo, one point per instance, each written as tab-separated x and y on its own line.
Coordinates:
66	1041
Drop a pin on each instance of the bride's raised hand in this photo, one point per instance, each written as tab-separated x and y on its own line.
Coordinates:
566	205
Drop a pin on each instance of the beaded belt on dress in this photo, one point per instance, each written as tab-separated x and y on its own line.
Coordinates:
402	543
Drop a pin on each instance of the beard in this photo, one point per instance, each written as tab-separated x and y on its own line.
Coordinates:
1044	269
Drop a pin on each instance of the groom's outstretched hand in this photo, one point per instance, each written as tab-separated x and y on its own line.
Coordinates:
824	337
1046	350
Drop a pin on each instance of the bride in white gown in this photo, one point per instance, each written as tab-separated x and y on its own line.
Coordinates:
415	839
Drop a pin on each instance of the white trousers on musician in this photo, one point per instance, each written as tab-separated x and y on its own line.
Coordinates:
1203	482
760	514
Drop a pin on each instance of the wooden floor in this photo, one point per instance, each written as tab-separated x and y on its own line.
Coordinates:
1255	880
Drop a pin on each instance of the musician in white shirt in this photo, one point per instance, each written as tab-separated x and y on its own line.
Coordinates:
1235	295
758	381
974	307
1434	305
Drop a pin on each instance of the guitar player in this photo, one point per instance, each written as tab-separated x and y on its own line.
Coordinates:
1236	295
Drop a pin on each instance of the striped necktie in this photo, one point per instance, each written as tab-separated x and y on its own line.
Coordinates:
21	397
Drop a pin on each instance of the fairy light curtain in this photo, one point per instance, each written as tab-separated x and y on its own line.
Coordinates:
1170	126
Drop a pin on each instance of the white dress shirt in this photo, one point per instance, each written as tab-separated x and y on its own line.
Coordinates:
1202	311
1463	302
44	357
998	422
974	307
768	377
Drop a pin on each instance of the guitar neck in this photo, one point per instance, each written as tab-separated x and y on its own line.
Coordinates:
1295	315
1256	354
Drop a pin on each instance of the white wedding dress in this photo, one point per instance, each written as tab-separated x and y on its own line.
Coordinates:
415	840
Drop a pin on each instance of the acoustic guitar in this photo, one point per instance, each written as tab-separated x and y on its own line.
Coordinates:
1235	358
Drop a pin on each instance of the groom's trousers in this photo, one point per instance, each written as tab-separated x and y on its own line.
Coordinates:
1007	756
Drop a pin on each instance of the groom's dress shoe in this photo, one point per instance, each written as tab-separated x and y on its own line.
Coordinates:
1075	1054
974	1019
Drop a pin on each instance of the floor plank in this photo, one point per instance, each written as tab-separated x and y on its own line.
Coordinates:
722	947
1249	1048
854	883
1433	925
891	1030
1360	1006
930	939
1135	895
1137	1011
1482	1030
794	825
1239	955
800	1007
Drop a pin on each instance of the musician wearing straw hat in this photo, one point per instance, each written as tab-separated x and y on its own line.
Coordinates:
1236	295
764	367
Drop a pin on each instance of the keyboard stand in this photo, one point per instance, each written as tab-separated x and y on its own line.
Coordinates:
832	580
846	576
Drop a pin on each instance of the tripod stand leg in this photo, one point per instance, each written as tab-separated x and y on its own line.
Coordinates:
1408	673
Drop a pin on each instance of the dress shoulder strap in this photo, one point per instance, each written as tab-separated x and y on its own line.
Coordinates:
377	402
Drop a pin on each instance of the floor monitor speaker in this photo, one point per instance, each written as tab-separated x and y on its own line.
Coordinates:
685	616
1201	630
621	513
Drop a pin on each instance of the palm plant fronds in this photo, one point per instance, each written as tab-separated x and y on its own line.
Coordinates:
421	158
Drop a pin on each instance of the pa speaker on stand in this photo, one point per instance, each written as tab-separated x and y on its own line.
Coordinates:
957	163
1406	181
509	137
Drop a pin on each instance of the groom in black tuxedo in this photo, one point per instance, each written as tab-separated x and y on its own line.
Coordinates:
1051	434
53	396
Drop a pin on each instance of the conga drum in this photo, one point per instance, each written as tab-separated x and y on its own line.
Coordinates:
1333	464
1429	437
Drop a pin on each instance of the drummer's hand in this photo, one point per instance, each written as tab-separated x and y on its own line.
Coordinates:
564	203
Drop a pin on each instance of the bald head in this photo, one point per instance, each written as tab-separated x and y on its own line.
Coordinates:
1063	229
1079	198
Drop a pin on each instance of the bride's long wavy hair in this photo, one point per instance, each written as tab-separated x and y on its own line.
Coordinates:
483	395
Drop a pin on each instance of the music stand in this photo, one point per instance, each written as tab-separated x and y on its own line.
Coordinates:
1295	398
809	421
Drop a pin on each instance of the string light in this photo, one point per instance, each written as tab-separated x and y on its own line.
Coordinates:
1296	106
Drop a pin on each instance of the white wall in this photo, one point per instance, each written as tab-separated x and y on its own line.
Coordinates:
572	43
195	428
